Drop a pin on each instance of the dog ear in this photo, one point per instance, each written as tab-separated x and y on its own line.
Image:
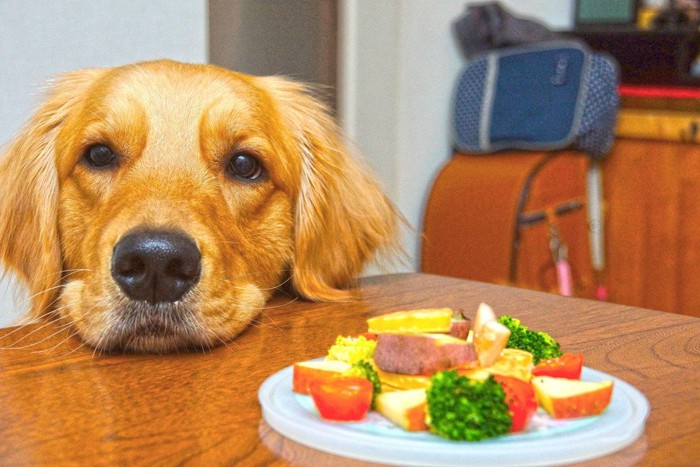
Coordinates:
342	217
29	244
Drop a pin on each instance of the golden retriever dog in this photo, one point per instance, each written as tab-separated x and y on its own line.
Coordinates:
157	206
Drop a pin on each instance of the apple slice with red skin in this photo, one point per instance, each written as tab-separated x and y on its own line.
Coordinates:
570	398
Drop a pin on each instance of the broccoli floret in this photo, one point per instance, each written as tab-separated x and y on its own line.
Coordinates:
351	349
364	369
463	409
540	344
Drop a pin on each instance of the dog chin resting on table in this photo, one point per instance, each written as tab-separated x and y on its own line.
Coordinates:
157	206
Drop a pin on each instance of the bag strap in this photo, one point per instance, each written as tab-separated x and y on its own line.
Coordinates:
487	26
522	200
524	219
596	235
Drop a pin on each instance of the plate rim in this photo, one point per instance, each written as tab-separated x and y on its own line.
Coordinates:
335	437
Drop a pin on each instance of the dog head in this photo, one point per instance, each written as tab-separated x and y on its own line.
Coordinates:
158	206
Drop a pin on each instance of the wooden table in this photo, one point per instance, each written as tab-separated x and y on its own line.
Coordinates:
61	404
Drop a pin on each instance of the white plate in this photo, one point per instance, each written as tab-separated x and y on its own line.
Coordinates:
546	441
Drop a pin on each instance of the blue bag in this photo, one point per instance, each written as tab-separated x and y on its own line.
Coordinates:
543	96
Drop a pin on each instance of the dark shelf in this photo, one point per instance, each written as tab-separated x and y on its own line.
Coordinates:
648	57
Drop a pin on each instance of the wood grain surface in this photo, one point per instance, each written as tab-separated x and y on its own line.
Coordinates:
652	236
62	404
651	222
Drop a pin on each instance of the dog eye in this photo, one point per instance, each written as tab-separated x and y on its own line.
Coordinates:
100	156
245	166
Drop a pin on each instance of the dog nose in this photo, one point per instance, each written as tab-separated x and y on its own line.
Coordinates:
156	266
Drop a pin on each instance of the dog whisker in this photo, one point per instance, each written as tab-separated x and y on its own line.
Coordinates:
17	329
251	273
262	289
29	299
264	307
223	341
67	272
59	331
230	242
97	348
47	322
49	319
62	342
82	344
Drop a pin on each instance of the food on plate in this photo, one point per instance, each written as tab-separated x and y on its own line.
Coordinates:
405	409
463	409
343	398
511	362
425	320
396	381
568	398
540	344
351	349
490	336
364	369
422	354
521	401
304	373
460	327
567	366
370	336
484	314
464	380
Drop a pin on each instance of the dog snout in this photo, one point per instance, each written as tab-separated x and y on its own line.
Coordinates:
156	266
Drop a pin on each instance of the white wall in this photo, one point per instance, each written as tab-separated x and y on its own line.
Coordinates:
398	64
40	38
295	38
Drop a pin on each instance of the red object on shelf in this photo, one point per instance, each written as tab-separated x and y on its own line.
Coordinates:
660	92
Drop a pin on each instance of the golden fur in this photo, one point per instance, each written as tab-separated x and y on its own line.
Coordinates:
314	221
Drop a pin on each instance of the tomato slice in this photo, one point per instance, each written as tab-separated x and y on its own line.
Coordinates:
342	398
520	397
567	366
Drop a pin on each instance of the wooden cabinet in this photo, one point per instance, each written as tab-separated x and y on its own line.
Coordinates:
651	184
652	192
652	225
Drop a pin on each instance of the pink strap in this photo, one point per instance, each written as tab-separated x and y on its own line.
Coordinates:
601	293
564	278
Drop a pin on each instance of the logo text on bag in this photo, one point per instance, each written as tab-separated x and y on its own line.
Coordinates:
559	77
